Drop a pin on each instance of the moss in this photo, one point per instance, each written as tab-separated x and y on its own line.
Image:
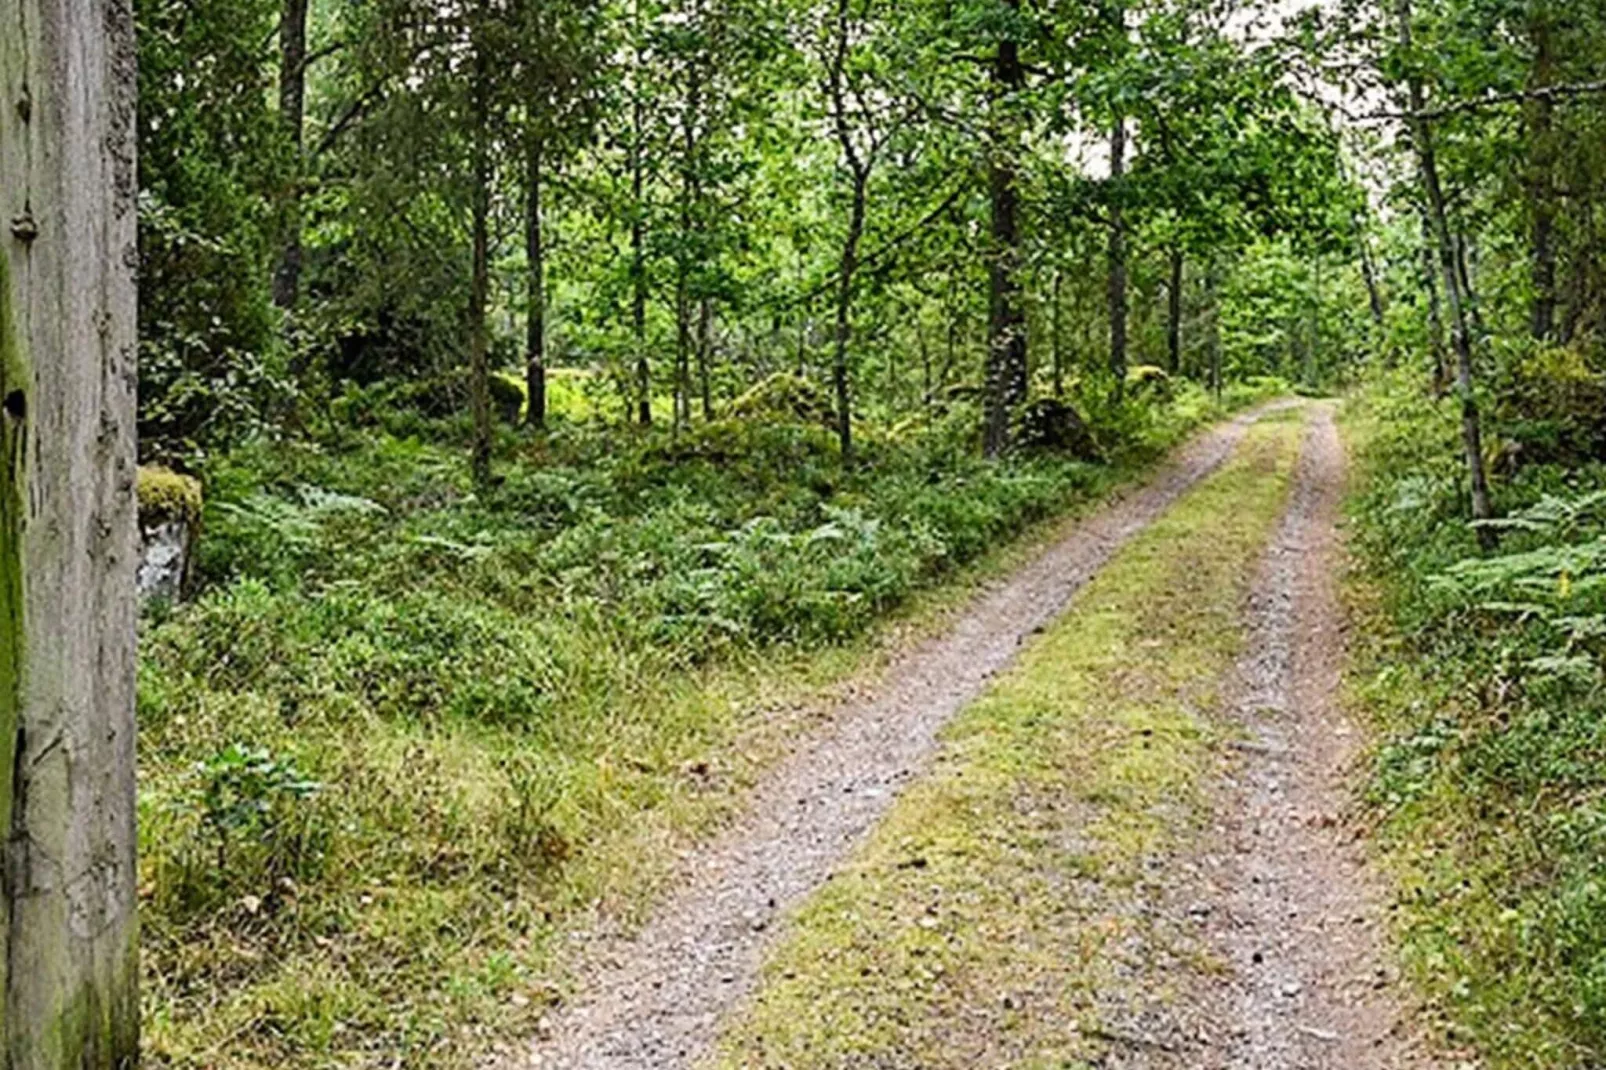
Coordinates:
166	495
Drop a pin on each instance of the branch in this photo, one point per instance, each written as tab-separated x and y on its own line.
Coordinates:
870	262
1549	92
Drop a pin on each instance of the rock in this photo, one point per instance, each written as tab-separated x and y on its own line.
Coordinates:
169	524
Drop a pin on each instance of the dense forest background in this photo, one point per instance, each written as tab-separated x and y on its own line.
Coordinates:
566	378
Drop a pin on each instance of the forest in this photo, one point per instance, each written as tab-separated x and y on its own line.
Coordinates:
803	533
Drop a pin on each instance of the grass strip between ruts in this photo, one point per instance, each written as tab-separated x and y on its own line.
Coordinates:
989	918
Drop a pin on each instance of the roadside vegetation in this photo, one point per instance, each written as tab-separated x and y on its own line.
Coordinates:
1482	671
1004	906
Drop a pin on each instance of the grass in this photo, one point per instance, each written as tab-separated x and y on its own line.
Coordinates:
1489	770
409	737
988	916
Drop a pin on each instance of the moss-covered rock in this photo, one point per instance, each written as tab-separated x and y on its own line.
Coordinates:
166	495
787	395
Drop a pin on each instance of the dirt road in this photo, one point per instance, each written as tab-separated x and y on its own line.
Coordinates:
655	1001
1260	947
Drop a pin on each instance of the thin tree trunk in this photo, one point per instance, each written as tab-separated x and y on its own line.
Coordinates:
1117	258
925	365
1173	323
638	246
844	321
535	322
292	112
479	359
1006	324
1374	292
1056	344
1541	193
69	962
1430	275
1461	333
705	354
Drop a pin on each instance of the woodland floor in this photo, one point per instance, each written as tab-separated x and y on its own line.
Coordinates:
1101	821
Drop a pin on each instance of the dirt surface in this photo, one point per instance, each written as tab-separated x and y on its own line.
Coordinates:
655	1000
1279	893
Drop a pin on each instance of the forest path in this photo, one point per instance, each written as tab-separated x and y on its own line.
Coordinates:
655	1000
1278	883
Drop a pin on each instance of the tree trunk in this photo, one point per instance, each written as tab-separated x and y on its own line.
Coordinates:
1117	258
1056	340
535	321
638	259
844	311
1374	292
1430	275
1461	333
69	965
1173	322
292	112
1006	322
1541	183
705	354
479	369
1213	296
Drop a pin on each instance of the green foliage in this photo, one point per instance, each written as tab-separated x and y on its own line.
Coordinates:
1484	674
211	153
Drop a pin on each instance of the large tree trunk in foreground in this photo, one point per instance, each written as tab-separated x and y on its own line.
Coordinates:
1006	321
292	112
68	952
1454	285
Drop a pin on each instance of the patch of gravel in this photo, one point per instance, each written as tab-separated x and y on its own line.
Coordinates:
1279	893
655	1000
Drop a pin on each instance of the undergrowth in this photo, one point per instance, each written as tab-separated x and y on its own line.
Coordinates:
408	736
1483	674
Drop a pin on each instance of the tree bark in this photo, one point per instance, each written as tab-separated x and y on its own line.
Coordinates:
479	292
1173	322
292	112
69	966
535	321
1006	322
1461	332
1117	258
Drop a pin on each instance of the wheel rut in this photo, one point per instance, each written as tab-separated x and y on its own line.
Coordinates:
655	1000
1278	890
